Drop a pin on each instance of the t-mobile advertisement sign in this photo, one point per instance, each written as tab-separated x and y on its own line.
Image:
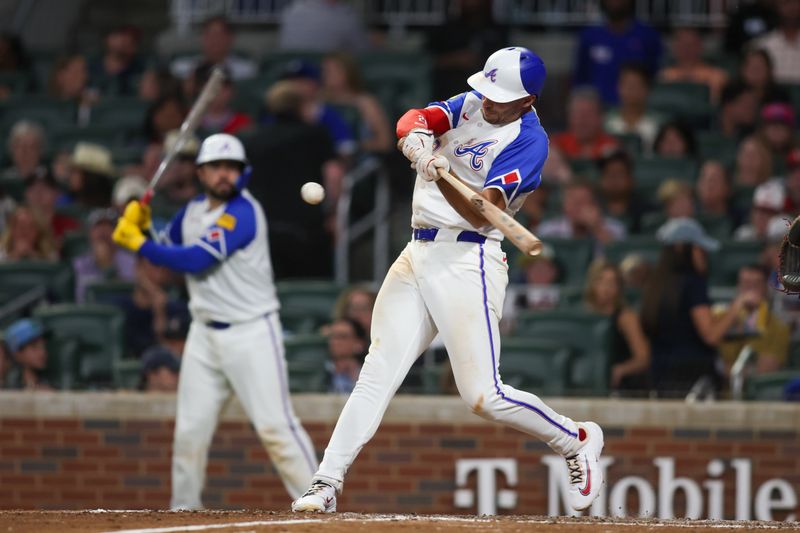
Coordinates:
704	498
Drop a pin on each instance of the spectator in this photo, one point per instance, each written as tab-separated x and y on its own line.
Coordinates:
128	188
157	83
91	176
556	170
584	138
305	80
542	274
356	303
622	39
27	238
675	140
676	198
748	21
630	350
714	194
738	109
582	218
534	208
347	346
636	270
180	181
294	152
220	116
104	261
69	82
777	129
792	182
676	310
687	48
25	341
342	85
783	43
757	71
26	145
164	115
632	115
753	163
120	67
41	195
755	325
13	60
617	193
216	42
321	26
769	200
459	47
160	370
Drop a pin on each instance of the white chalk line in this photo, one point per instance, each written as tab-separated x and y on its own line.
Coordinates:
474	520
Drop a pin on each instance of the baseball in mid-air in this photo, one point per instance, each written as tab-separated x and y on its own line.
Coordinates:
312	192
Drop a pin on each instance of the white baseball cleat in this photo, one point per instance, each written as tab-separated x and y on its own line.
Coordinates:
585	475
319	498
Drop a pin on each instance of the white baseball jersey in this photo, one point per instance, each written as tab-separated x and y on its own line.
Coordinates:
507	157
240	286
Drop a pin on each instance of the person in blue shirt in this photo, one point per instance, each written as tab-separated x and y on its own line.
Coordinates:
621	40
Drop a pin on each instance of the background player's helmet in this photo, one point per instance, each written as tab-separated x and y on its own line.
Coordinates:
510	74
221	147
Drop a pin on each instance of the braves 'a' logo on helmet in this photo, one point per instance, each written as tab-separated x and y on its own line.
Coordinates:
492	75
476	152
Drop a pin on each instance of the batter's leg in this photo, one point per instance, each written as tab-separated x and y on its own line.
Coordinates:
255	365
202	391
401	331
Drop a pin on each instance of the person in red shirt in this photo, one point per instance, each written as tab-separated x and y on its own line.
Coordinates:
220	117
41	195
584	138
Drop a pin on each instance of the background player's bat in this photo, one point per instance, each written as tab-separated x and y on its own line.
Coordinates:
209	92
513	230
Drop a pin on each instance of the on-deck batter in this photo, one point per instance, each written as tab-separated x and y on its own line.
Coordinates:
451	279
235	341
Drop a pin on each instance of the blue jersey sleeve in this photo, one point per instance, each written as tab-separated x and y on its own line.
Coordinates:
518	168
452	106
233	230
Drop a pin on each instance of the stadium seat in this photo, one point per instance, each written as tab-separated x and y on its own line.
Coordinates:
538	366
306	305
65	136
718	226
306	357
651	172
793	360
586	333
16	82
714	145
687	101
108	292
743	197
123	112
631	143
85	343
732	255
651	222
56	278
769	387
647	247
13	187
74	244
573	257
571	297
585	168
399	80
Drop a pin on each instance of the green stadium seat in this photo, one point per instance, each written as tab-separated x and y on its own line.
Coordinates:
535	365
55	278
108	292
714	145
125	112
631	143
571	297
127	374
769	387
647	247
74	244
585	168
793	360
794	94
67	136
687	101
250	94
14	187
399	80
306	305
306	357
573	257
16	82
732	255
586	334
719	227
743	197
651	172
85	343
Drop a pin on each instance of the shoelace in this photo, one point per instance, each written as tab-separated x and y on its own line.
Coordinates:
575	471
317	486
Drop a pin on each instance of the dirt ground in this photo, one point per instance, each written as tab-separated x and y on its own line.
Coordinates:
257	521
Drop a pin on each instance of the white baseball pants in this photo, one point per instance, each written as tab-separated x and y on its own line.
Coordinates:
247	359
455	289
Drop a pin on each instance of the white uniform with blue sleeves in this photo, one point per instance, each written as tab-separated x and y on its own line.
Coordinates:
451	280
235	342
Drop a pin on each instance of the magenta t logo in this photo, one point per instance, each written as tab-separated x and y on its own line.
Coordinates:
492	75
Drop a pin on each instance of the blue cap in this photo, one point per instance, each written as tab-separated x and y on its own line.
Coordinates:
686	231
21	333
157	357
299	69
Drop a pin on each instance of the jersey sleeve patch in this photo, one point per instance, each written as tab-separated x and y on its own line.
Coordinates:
234	229
518	168
227	221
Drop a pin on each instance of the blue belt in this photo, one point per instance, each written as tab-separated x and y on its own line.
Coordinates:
429	234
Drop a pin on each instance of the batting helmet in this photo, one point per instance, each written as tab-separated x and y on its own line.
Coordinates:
221	147
510	74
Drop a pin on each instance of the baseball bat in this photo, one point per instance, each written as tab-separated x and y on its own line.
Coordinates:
518	234
188	127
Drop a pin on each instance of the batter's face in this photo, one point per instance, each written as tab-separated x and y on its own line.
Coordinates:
497	113
219	178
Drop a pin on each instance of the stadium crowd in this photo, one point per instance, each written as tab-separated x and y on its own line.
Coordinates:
663	201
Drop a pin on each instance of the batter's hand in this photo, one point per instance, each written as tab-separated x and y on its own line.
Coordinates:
128	235
418	143
427	167
138	213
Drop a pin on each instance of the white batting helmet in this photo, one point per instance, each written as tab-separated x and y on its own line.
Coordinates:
510	74
221	147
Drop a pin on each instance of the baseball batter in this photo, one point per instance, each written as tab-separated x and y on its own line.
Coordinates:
451	278
220	241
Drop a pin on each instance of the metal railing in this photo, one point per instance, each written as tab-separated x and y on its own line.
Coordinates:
738	371
377	220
